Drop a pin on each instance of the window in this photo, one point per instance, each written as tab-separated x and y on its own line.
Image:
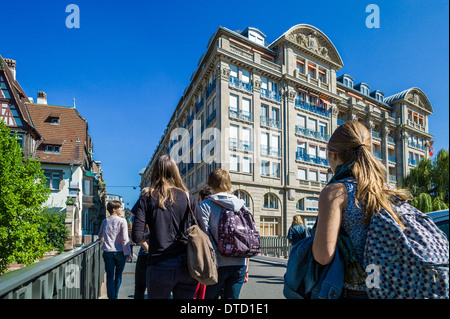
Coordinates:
323	128
265	168
234	163
276	169
264	143
312	150
246	105
301	148
312	203
234	101
245	76
87	187
312	176
301	67
275	114
312	125
269	226
264	110
244	196
4	90
54	121
53	179
264	83
312	71
301	121
322	152
322	76
246	165
55	149
301	204
323	177
234	71
301	173
270	201
313	100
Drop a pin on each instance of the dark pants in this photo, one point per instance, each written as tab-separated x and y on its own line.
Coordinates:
231	279
114	265
140	283
170	276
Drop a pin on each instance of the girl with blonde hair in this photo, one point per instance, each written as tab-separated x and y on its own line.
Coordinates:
357	190
297	231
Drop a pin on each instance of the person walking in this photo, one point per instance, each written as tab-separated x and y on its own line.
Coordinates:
165	210
297	231
232	271
357	190
116	247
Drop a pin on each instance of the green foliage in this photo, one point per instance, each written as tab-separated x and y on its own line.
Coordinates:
54	228
430	177
22	193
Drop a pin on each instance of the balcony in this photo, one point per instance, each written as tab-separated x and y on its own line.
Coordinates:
377	154
392	159
271	95
211	89
313	134
418	146
311	108
272	151
376	134
211	118
416	125
240	114
265	121
199	106
302	156
235	82
240	144
390	139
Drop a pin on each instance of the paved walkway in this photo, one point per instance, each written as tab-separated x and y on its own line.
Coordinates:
265	278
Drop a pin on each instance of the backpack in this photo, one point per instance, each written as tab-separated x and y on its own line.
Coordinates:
237	234
201	257
408	264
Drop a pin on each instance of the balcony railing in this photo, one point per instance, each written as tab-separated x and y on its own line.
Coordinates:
272	95
310	133
416	145
302	156
211	89
392	159
235	82
311	107
240	114
241	144
211	118
199	106
270	122
273	151
376	134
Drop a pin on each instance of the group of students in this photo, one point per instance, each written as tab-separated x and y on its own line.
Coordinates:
160	226
357	191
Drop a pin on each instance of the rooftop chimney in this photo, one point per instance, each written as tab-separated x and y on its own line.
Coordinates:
42	98
12	66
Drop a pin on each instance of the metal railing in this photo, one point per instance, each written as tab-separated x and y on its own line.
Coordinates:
275	246
76	274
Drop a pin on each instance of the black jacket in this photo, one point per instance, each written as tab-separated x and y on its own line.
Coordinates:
167	227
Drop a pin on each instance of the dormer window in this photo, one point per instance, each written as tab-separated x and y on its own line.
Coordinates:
379	97
364	89
348	81
53	149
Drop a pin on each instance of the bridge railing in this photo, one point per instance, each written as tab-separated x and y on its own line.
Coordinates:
274	246
76	274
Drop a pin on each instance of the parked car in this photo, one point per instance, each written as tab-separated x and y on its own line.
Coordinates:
440	218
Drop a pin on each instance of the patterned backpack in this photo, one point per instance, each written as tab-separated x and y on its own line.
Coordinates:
407	264
237	234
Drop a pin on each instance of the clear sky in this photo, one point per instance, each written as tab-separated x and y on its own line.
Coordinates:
130	61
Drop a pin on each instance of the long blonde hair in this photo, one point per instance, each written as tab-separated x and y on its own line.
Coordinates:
352	142
297	220
165	177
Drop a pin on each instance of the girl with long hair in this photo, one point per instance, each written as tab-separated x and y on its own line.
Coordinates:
357	190
164	208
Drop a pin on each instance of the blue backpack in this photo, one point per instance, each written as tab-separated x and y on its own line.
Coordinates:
407	264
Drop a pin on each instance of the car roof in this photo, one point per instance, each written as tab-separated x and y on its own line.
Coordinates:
439	215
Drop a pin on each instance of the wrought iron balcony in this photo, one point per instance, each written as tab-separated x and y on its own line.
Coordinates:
303	156
240	114
273	151
235	82
309	133
270	122
272	95
311	107
240	144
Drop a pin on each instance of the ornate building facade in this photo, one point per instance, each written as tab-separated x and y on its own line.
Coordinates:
265	113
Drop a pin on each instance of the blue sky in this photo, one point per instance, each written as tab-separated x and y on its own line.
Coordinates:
129	62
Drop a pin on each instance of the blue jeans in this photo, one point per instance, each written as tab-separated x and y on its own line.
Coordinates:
114	265
231	279
170	276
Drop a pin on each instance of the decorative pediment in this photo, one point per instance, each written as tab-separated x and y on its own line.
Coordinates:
312	40
418	98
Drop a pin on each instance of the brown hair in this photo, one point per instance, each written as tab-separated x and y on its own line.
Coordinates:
114	204
165	177
205	192
219	180
297	220
352	143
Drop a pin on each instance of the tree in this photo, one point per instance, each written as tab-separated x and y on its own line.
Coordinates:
22	194
429	183
54	228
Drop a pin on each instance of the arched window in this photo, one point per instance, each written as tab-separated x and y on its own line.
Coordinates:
308	203
270	201
244	196
301	204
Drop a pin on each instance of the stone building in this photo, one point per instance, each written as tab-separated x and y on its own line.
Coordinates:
265	112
